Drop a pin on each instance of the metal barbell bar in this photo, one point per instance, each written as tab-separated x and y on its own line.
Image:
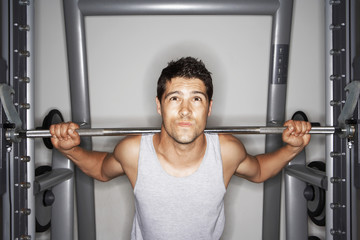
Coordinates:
11	134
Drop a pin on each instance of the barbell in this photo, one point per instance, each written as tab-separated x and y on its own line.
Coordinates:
15	135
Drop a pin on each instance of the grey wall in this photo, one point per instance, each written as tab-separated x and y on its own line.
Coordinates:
125	56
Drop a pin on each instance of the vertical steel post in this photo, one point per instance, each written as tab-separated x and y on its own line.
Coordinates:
28	80
62	214
339	152
80	110
355	73
281	30
19	192
295	202
329	119
4	193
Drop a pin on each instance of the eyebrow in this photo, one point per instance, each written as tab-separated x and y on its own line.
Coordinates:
180	93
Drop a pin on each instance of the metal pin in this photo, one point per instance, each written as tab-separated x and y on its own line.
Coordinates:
24	2
24	53
25	211
24	105
336	51
336	154
337	180
337	232
24	185
24	80
25	159
337	205
334	27
335	77
336	103
24	28
334	2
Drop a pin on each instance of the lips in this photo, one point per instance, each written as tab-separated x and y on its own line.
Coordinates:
184	124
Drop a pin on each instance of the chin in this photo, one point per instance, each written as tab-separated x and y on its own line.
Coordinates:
185	139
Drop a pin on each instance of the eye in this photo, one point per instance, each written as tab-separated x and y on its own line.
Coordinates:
173	98
196	99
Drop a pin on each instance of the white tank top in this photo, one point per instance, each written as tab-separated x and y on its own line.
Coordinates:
179	208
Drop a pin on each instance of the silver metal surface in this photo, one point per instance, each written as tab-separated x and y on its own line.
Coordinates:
136	131
51	179
309	175
329	146
184	7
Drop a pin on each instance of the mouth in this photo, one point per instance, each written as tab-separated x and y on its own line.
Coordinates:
185	124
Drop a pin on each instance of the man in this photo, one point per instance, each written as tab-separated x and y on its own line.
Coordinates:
180	175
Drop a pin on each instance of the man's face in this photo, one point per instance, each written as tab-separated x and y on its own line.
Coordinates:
184	108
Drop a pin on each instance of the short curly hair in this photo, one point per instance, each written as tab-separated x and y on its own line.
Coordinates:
187	67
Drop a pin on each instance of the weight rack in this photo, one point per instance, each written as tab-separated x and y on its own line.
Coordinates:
342	157
16	69
17	160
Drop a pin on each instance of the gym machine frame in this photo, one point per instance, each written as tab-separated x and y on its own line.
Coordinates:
17	160
281	11
20	223
342	157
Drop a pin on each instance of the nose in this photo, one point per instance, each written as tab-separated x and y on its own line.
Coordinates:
185	109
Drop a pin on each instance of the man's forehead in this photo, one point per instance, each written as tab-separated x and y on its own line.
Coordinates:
180	86
185	82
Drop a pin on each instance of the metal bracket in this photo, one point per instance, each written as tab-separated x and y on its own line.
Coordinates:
7	102
353	90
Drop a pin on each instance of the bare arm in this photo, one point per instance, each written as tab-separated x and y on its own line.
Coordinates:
262	167
102	166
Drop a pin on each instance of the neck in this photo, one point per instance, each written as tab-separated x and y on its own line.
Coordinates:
178	154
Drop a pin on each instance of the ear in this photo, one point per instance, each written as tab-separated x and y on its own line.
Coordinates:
158	105
210	108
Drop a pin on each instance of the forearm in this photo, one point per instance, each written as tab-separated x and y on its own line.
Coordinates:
90	162
271	164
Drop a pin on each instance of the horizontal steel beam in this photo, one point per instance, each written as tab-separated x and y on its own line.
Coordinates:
184	7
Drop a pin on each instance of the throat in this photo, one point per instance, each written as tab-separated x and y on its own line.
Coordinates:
180	161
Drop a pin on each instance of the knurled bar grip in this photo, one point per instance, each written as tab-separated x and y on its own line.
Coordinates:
136	131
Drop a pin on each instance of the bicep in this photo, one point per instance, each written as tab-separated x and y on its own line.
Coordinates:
237	161
124	160
111	167
233	154
249	168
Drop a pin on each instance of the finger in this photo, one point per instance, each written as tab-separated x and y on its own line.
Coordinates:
73	125
56	132
290	128
59	131
52	130
53	139
64	131
304	128
298	128
308	127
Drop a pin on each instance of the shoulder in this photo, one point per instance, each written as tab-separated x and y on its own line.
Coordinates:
127	154
231	146
128	148
233	153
